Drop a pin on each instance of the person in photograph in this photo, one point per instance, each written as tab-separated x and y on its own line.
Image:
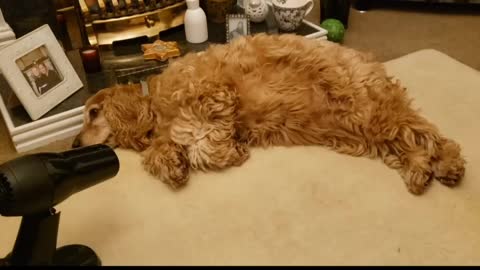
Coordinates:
35	76
48	78
238	31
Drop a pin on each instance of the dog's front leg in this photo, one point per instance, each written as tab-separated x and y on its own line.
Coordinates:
168	161
206	128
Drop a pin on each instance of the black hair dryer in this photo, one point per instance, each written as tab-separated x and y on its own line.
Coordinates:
30	186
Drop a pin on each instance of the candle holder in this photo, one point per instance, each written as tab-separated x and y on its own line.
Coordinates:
91	59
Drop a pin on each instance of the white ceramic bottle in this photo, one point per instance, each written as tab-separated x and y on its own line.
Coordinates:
195	23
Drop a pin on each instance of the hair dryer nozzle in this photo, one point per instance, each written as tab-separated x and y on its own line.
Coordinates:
35	183
82	168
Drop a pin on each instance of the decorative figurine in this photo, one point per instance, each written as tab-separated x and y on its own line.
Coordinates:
257	10
160	50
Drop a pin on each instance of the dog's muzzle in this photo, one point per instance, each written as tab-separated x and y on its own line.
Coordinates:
76	143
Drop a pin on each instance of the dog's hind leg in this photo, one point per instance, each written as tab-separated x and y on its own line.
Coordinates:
425	154
345	143
410	143
413	164
420	153
412	160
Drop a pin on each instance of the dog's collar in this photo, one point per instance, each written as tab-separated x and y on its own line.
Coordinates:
145	91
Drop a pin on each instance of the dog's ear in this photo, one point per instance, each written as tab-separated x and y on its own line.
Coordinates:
130	117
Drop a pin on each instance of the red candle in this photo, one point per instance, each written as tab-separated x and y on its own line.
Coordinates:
60	18
91	60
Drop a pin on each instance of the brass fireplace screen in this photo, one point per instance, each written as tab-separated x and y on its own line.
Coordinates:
107	21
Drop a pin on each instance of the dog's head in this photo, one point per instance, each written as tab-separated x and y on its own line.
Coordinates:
117	116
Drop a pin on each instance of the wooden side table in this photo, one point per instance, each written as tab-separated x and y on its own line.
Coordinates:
126	65
131	63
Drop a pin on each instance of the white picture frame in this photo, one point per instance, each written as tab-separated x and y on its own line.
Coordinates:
20	65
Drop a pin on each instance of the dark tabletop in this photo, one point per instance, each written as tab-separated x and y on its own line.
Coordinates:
124	63
217	33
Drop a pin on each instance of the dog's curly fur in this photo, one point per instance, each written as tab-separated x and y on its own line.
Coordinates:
205	111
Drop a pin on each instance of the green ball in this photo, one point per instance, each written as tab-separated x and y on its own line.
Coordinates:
335	29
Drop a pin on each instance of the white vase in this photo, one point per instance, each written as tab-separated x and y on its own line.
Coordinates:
257	10
195	23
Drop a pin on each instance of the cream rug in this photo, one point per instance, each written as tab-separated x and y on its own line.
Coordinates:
297	206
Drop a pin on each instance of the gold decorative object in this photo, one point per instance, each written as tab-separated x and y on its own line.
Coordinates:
107	21
160	50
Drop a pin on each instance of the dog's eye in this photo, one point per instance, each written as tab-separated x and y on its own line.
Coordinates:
93	113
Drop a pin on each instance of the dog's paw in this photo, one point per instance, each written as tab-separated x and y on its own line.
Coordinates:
243	153
450	175
168	164
417	181
449	169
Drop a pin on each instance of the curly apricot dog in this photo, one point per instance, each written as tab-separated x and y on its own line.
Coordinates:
205	111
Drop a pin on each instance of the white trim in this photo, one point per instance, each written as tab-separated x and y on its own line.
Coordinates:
6	115
44	140
145	90
321	32
23	137
49	120
38	123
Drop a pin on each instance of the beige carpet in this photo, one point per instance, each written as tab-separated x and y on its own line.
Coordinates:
392	29
302	205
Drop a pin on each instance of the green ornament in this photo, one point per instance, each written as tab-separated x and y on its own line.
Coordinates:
335	29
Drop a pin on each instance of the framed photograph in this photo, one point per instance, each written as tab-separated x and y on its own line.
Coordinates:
38	71
237	25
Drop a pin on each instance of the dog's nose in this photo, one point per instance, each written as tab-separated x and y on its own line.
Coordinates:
76	143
